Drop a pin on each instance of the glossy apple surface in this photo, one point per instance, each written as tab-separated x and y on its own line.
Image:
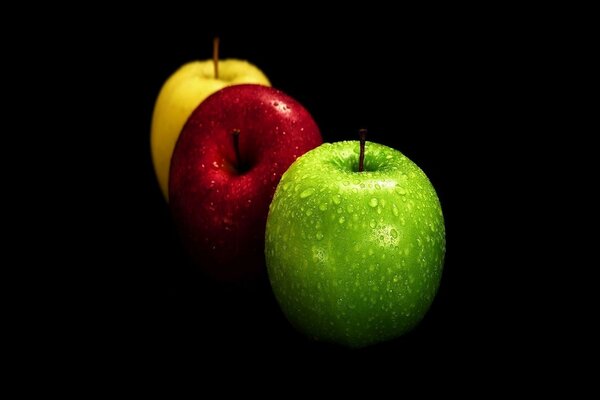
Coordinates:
181	94
355	257
219	206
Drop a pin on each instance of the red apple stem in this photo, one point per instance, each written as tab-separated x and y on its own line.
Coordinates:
235	134
362	134
216	56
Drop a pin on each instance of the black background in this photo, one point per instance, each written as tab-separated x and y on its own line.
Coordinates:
447	90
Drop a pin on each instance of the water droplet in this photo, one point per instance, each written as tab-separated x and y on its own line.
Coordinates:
394	233
342	219
350	208
401	191
319	236
395	278
432	227
339	210
306	193
377	186
308	212
395	210
337	199
373	202
372	223
345	183
215	164
323	207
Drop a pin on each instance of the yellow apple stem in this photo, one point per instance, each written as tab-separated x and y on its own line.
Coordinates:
235	134
216	56
361	158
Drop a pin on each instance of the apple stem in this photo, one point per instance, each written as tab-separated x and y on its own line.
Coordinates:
361	158
216	56
235	134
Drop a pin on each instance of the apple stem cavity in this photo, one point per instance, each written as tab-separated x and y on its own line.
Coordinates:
362	134
235	134
216	56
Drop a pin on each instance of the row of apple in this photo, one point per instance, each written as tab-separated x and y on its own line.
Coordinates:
352	232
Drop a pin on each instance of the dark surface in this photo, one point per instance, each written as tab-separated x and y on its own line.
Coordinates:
447	101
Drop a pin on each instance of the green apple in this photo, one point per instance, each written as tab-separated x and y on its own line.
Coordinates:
354	257
181	94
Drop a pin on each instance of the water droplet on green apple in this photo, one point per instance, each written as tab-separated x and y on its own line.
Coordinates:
342	220
350	208
319	235
373	202
306	193
401	191
286	186
395	210
377	186
394	233
372	223
346	183
337	199
323	206
308	212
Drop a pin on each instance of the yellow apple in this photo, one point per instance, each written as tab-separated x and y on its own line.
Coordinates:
181	94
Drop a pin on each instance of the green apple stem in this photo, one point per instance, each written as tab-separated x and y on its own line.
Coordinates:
235	134
216	56
361	158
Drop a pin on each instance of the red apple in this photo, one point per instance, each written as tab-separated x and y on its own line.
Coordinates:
219	203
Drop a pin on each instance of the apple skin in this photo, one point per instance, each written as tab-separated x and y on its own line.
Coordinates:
181	94
353	257
220	212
